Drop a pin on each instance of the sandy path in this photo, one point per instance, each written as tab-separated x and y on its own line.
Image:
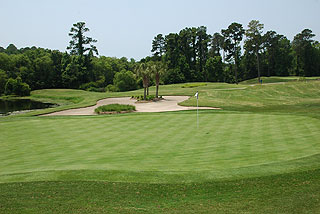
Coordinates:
169	103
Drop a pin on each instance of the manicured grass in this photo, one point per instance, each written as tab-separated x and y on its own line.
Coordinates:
114	108
276	79
293	97
288	193
259	154
156	142
66	98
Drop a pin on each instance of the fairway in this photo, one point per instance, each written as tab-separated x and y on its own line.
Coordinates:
156	142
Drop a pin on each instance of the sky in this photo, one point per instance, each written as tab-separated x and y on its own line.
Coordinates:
126	28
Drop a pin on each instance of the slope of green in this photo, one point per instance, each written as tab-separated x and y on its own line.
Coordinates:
294	97
288	193
275	79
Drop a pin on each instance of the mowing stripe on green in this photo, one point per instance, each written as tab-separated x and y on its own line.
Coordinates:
155	142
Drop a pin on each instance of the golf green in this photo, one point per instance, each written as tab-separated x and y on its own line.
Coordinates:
168	142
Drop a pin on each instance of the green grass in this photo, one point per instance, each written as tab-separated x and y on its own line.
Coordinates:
276	79
144	142
66	98
293	97
193	85
115	108
259	154
289	193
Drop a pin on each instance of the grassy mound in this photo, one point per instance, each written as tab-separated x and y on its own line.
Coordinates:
117	108
279	79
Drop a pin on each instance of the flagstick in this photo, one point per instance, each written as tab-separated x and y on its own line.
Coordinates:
197	113
197	95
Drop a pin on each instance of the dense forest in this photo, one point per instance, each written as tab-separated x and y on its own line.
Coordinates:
235	54
192	55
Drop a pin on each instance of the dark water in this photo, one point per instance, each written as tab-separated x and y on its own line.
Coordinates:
13	105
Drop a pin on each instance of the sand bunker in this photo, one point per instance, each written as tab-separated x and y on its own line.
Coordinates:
169	103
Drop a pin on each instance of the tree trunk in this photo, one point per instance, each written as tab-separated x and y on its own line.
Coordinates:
258	65
235	62
269	67
236	73
157	89
157	84
236	67
144	93
145	87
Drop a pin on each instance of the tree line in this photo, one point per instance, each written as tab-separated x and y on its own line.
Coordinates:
42	68
235	54
78	68
232	55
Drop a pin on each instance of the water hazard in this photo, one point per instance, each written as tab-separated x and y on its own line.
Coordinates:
15	105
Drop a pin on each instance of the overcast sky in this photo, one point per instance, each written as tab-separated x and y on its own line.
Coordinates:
127	27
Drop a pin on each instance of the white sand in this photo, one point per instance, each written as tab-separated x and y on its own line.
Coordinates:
169	103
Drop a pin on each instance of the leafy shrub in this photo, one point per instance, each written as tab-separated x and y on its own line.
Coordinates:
302	79
115	108
17	87
125	81
3	80
111	88
148	97
92	86
94	89
85	86
24	89
10	87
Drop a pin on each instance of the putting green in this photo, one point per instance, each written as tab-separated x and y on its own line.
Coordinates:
155	142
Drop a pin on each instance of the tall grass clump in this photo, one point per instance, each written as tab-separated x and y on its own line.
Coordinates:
114	108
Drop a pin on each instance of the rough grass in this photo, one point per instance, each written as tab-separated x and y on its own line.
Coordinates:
260	154
115	108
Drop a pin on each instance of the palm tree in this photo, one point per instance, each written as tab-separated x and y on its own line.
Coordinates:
158	69
144	71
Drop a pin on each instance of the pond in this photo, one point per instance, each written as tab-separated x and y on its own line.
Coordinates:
14	105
